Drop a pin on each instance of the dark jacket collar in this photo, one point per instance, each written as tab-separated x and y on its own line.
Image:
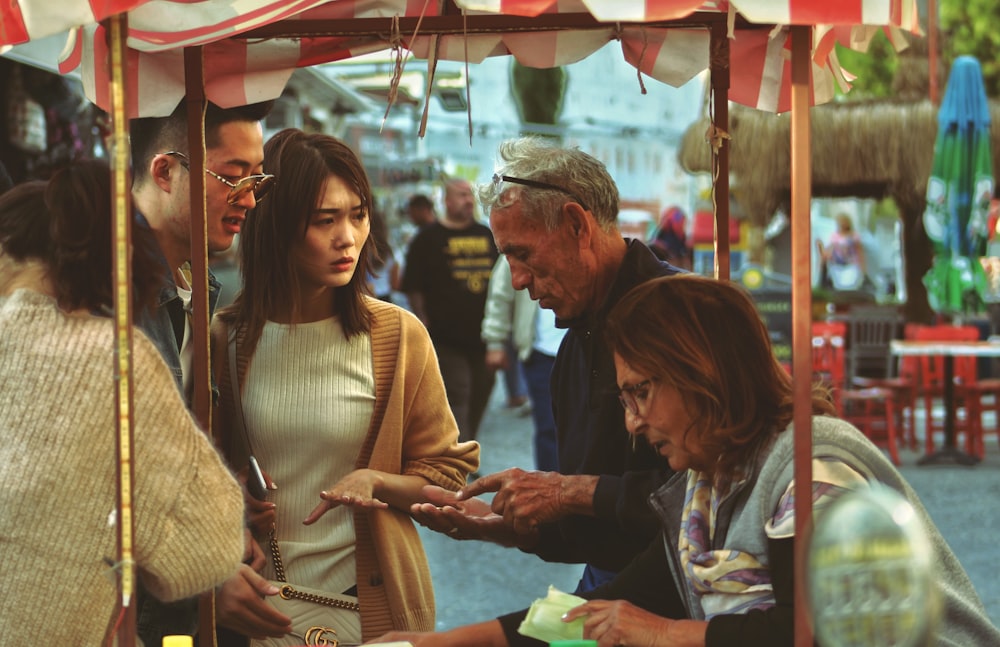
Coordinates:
639	265
168	288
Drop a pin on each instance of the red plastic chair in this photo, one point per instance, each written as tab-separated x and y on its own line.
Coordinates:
979	396
872	410
931	385
904	386
870	364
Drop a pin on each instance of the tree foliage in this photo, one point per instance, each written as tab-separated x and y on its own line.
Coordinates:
965	27
969	27
874	69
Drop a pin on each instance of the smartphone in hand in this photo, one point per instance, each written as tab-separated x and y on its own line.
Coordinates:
256	483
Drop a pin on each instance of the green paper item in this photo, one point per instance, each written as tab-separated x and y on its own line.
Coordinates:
573	643
544	619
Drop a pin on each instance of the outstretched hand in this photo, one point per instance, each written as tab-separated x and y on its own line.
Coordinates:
469	518
357	489
527	499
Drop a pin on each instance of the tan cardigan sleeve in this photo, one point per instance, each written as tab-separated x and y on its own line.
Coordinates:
414	429
430	434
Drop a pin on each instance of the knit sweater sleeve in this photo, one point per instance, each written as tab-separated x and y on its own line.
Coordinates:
430	434
188	507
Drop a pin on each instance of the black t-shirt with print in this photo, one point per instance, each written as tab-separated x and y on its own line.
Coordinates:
451	268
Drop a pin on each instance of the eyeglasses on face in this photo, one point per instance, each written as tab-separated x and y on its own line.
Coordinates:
633	396
259	184
535	184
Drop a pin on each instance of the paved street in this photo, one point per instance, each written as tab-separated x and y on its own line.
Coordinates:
475	581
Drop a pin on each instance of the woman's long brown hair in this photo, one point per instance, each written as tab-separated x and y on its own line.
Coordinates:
301	162
705	338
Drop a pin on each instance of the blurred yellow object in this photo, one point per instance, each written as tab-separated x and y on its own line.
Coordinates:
178	641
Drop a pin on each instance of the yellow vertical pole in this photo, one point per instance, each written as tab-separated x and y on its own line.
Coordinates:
117	29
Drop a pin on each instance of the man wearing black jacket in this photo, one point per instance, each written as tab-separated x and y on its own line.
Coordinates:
553	212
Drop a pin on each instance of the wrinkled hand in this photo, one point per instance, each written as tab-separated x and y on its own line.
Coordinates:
616	622
356	489
260	514
240	606
461	519
524	499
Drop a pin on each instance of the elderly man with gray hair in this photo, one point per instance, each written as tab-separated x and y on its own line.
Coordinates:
553	212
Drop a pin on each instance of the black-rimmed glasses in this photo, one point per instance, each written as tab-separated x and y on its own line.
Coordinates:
535	184
259	184
627	396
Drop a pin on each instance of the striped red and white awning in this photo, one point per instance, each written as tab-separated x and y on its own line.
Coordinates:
241	71
899	13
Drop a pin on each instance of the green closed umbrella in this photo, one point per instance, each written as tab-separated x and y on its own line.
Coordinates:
959	192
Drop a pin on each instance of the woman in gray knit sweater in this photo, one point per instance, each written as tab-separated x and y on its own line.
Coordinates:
57	420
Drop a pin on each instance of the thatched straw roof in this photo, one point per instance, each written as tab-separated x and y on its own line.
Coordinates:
861	149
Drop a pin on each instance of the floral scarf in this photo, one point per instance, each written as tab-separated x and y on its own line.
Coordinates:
730	581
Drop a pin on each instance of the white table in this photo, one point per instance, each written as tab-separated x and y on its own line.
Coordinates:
948	350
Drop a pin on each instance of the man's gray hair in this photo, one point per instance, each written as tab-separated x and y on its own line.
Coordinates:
579	177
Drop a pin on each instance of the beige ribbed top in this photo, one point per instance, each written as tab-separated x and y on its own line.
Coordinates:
308	401
412	431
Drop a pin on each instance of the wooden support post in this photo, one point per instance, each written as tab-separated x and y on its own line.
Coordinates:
802	318
201	400
719	61
201	397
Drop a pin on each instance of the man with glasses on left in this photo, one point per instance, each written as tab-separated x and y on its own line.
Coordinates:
161	193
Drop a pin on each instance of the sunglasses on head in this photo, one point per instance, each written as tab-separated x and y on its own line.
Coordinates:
535	184
259	184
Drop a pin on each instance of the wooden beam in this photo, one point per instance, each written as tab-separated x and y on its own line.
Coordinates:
474	24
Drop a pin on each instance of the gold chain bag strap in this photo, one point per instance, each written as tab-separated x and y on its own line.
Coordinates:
289	592
317	617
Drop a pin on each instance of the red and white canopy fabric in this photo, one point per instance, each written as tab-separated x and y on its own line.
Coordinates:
900	13
241	71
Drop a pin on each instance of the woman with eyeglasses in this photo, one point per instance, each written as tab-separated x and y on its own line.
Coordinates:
342	402
713	401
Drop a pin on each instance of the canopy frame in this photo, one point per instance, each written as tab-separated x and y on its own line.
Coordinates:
801	249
